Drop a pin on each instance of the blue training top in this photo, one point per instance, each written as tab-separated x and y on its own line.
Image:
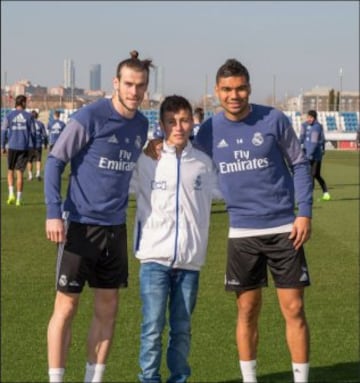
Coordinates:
103	147
18	130
261	167
55	128
40	135
313	140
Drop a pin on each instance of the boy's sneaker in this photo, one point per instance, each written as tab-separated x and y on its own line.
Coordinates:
326	197
19	202
38	178
11	200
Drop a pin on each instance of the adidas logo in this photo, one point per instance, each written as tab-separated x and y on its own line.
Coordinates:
222	144
113	139
304	277
19	118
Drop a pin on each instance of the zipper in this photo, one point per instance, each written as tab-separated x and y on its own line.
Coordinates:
178	159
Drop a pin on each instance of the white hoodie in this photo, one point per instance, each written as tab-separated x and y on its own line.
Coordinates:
174	197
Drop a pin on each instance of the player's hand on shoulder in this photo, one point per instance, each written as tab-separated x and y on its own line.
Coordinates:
153	148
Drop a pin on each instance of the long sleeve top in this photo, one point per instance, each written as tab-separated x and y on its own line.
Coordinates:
312	139
55	127
18	130
102	147
261	167
40	135
174	198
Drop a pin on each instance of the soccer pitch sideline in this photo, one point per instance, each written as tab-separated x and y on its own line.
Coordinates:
332	302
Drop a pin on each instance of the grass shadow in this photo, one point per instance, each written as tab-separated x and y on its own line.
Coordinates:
337	373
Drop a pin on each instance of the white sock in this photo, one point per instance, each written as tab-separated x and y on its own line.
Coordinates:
18	196
30	176
248	371
11	190
94	373
56	375
300	372
38	173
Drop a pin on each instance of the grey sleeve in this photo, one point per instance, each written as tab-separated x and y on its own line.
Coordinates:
72	139
291	147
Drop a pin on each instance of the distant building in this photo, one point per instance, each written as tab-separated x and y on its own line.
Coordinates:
95	93
27	88
56	91
349	101
159	83
322	99
95	77
69	73
318	98
18	88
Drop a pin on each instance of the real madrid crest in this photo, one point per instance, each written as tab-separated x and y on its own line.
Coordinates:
258	139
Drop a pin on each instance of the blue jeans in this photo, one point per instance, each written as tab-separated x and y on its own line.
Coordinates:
159	285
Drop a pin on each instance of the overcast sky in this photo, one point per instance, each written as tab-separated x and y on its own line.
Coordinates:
288	46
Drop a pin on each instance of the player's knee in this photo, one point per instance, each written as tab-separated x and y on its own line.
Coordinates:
249	311
65	306
293	309
106	309
65	313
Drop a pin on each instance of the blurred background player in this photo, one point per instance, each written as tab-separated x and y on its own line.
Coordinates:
35	153
312	139
198	119
17	130
55	127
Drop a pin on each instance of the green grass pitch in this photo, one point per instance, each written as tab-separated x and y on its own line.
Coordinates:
332	302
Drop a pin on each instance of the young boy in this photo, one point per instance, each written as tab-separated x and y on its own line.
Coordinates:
174	197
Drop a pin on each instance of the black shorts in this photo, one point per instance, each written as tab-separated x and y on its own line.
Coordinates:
96	254
248	258
35	155
17	159
315	168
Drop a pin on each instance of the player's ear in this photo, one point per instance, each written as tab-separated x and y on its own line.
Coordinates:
115	83
216	90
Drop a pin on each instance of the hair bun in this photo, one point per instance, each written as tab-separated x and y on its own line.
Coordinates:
134	54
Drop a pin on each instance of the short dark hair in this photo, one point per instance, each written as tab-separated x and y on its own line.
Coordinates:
312	113
35	113
135	63
57	113
174	104
20	100
230	68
